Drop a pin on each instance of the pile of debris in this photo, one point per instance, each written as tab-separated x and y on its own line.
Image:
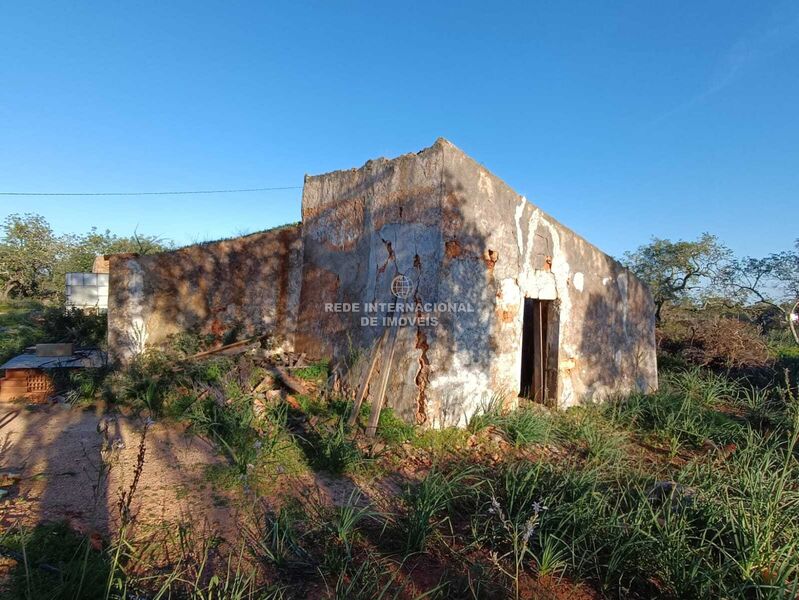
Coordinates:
278	362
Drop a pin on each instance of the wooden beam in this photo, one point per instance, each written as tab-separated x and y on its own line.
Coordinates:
377	403
376	350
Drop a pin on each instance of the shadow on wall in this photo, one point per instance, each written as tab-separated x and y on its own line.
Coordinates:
227	290
621	348
402	217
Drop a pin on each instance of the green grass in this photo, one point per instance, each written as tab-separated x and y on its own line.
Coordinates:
427	503
441	442
685	412
312	405
375	578
277	540
724	525
392	429
313	372
598	438
527	424
332	450
340	528
73	568
788	352
689	492
20	327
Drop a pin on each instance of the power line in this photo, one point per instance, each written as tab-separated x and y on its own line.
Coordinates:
173	193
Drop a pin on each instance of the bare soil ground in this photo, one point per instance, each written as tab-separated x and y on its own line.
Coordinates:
73	463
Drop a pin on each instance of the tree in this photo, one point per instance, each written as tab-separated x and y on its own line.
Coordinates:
771	282
83	248
34	261
29	251
673	270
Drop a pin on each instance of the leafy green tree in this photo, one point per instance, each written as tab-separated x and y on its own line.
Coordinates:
674	270
83	248
34	261
29	252
771	282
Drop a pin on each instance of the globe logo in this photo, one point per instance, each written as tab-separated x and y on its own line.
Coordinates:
401	287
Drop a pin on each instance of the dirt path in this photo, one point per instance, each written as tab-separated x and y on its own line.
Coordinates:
75	462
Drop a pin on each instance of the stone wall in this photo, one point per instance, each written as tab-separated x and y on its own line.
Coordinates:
463	237
229	289
459	236
362	228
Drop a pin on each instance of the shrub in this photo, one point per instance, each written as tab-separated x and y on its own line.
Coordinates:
715	340
525	425
230	426
144	383
79	385
74	326
426	502
332	451
730	343
20	327
24	323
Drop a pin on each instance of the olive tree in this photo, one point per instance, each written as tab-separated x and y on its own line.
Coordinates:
772	282
34	260
29	252
674	270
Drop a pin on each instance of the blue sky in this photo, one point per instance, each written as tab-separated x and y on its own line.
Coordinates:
623	120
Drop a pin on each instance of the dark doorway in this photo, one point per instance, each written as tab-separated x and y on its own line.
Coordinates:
538	379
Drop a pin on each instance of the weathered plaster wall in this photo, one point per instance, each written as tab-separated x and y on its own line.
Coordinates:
462	236
248	285
604	314
361	228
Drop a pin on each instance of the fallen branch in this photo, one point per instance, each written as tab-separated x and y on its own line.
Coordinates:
228	350
291	382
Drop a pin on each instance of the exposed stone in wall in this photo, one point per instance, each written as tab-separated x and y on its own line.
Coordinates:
362	228
604	320
462	235
100	264
228	289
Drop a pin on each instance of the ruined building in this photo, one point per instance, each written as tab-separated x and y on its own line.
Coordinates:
489	295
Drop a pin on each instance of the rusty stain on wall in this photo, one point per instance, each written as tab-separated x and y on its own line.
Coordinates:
453	249
481	244
247	285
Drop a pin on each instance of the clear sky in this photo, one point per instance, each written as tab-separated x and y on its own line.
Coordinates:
623	120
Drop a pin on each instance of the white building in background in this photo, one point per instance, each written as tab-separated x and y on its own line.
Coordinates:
89	291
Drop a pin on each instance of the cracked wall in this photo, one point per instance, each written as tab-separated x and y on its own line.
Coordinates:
227	289
361	228
602	325
461	235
